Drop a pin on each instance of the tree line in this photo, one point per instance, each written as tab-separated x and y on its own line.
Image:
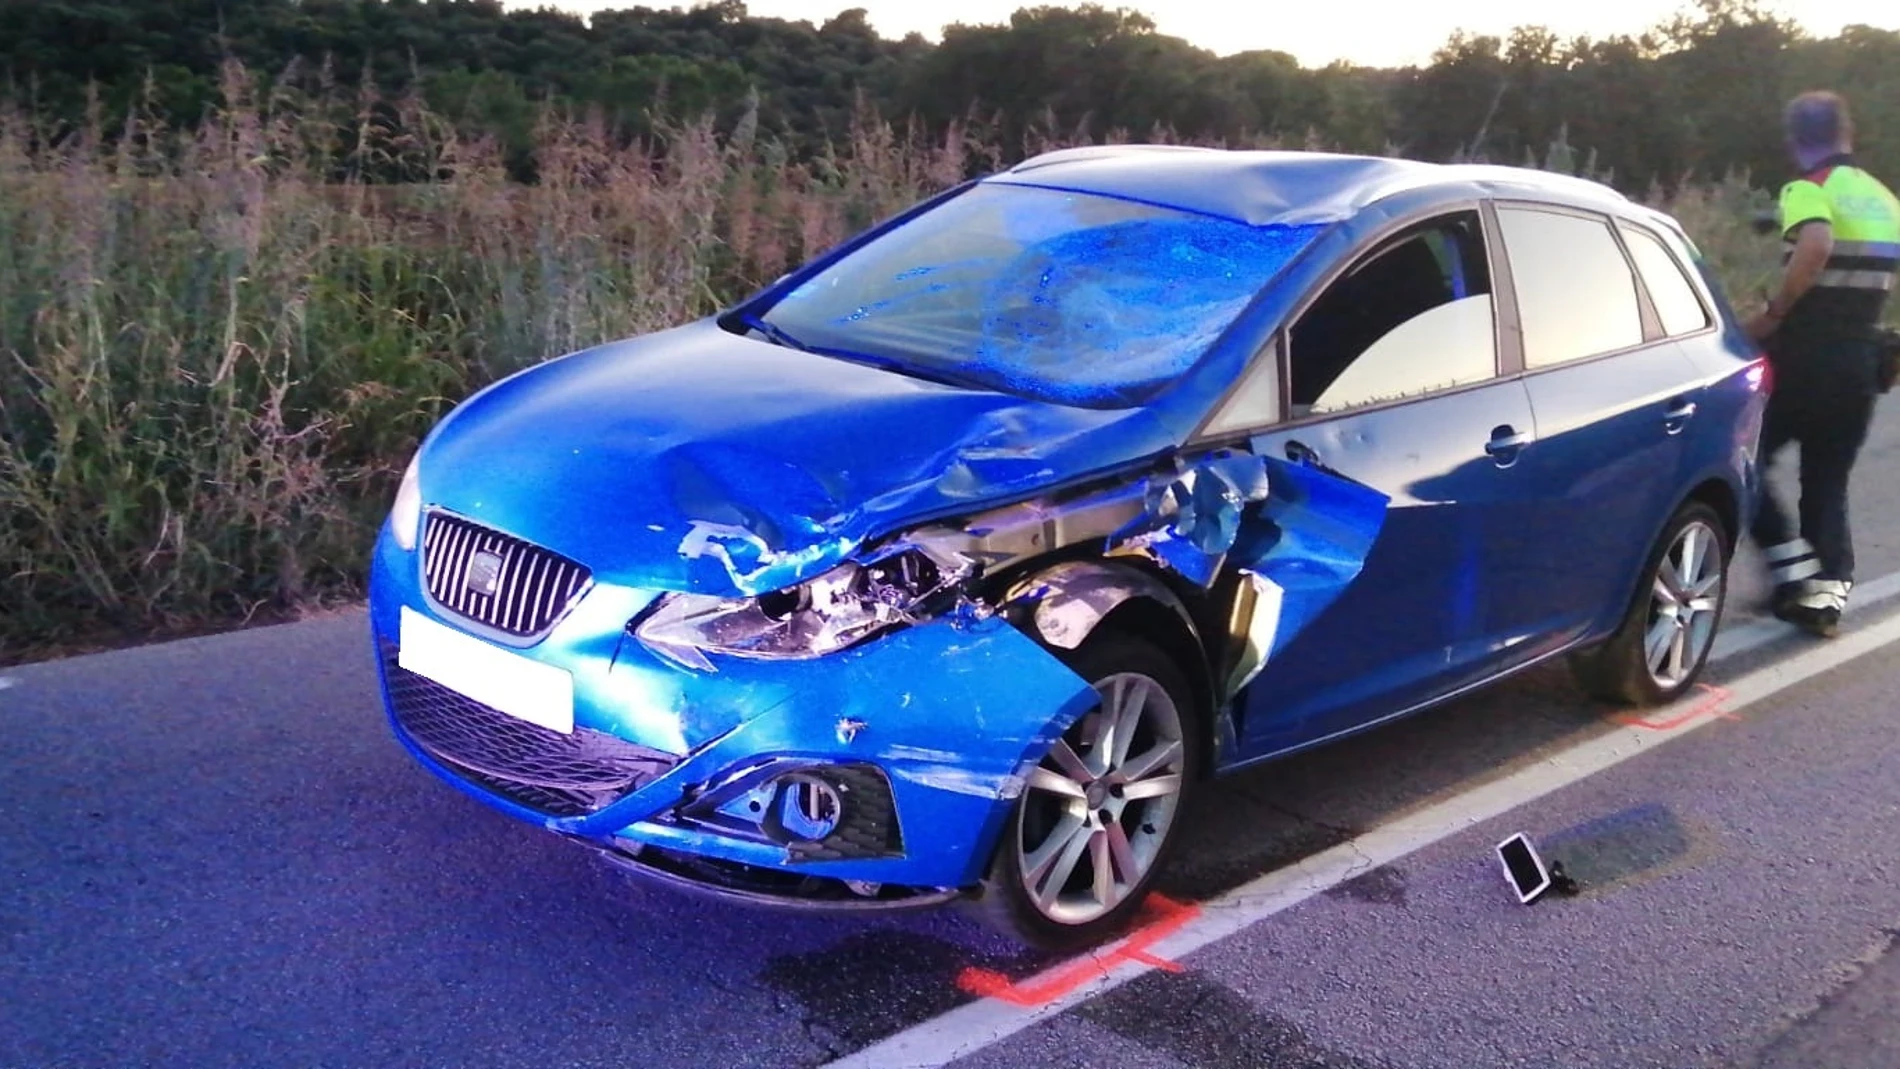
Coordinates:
1696	95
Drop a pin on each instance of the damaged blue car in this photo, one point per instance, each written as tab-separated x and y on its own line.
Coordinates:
951	565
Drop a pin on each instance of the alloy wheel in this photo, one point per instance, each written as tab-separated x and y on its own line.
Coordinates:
1102	802
1684	601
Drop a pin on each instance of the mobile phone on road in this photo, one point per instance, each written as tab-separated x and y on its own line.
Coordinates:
1526	871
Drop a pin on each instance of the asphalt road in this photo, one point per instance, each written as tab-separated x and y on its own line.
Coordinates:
214	854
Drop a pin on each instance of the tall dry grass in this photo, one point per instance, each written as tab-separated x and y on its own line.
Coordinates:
219	346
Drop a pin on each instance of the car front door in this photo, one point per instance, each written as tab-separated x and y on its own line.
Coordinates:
1613	394
1393	381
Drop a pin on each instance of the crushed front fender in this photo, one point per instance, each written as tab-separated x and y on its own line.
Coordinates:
1321	530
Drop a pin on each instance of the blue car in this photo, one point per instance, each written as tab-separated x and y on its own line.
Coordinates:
949	566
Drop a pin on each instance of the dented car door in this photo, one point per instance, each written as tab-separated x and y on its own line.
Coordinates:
1420	620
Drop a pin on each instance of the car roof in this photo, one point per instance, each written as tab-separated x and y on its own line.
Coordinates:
1269	187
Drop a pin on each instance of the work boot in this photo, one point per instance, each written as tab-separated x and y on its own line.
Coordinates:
1783	597
1817	608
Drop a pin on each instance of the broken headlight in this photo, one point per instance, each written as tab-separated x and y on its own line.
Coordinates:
832	612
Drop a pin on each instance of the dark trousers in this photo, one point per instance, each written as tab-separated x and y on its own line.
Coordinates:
1828	418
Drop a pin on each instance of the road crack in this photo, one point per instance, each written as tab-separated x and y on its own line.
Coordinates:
1347	837
810	1022
1348	834
1838	984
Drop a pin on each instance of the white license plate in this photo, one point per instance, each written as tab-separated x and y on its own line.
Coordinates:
538	693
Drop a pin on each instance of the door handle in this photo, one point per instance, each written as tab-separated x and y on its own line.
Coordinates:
1677	417
1302	454
1505	444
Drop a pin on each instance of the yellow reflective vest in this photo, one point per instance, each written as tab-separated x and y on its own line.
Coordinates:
1853	288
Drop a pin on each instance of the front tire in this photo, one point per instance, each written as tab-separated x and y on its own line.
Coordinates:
1663	643
1100	813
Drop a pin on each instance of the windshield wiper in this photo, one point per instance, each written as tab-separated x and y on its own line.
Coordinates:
771	330
778	335
885	363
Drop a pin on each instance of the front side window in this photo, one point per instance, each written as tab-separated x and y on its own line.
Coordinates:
1059	296
1255	402
1413	318
1576	296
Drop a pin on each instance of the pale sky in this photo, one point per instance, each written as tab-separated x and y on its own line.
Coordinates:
1370	32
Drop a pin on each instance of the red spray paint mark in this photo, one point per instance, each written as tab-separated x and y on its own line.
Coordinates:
1710	705
1166	917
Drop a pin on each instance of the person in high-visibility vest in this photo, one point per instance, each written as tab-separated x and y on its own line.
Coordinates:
1841	227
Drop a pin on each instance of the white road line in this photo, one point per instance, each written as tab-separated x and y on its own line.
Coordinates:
976	1025
7	681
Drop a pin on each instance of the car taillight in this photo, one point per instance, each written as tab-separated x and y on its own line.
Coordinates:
1761	375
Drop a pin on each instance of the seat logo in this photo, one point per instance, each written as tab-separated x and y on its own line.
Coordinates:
483	574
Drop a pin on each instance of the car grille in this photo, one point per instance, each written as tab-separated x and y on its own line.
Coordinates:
560	775
495	579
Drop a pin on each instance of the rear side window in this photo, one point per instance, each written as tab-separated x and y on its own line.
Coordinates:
1576	296
1669	288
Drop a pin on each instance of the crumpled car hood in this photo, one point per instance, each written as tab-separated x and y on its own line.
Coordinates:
696	459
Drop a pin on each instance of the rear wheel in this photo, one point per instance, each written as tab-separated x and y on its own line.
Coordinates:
1664	641
1098	816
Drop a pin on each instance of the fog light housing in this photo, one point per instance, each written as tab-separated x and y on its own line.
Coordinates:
816	811
805	808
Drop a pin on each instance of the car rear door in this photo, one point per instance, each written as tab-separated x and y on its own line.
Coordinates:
1394	380
1613	395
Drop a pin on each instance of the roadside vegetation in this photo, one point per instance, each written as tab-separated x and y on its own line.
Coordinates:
222	334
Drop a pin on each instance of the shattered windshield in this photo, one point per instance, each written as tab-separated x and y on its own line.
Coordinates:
1066	297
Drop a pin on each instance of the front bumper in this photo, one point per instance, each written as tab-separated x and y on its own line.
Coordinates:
670	771
775	888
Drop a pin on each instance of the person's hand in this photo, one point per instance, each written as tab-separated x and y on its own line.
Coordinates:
1762	324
